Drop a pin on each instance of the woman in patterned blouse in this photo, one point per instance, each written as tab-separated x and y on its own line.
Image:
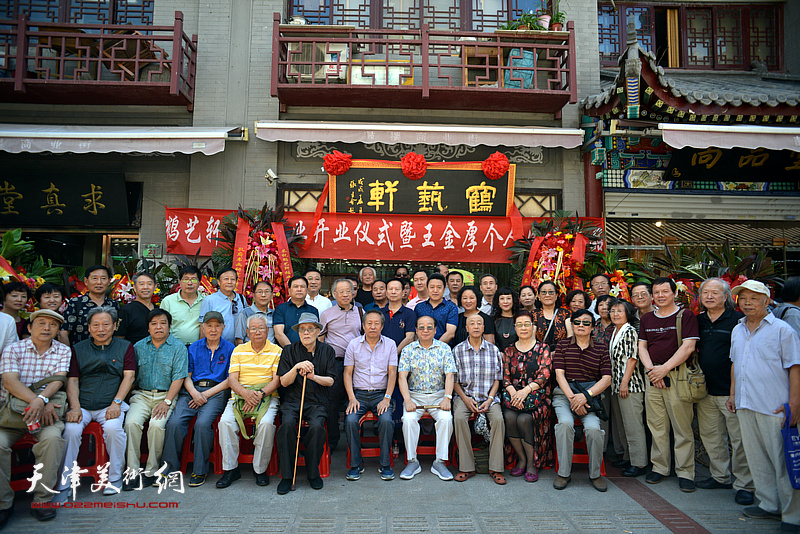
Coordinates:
550	319
627	385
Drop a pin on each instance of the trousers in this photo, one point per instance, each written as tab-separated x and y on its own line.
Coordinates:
444	425
263	440
497	436
565	436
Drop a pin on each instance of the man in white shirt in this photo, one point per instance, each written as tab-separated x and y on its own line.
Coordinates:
488	288
313	297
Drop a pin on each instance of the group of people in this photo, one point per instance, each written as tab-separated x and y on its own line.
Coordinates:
518	365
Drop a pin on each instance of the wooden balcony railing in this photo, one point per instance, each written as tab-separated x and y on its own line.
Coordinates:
532	71
96	63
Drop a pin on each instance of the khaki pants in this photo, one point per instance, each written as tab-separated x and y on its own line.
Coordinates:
142	405
565	436
713	419
497	432
628	416
49	452
263	440
665	409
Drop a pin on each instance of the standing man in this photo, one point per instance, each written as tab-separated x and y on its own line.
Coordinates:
600	284
132	317
426	373
789	309
400	324
479	371
379	299
444	270
313	297
660	354
341	324
97	278
402	272
161	365
370	373
420	280
262	299
313	360
184	306
287	314
714	420
642	298
23	364
444	312
455	281
367	276
252	378
225	301
766	375
204	394
488	288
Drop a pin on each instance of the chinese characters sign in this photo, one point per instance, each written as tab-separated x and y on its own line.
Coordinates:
734	165
372	186
63	200
190	229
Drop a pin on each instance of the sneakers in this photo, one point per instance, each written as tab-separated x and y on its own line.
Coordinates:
440	470
386	473
755	512
196	480
413	468
355	472
654	478
686	485
285	486
112	488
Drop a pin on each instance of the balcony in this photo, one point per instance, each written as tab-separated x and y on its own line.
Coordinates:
97	63
527	71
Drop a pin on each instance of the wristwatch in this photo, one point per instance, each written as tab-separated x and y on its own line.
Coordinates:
448	396
118	402
387	396
168	402
45	399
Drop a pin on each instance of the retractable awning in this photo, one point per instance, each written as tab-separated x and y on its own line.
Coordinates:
704	136
428	134
34	138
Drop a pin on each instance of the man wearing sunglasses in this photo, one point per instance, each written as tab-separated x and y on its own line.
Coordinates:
225	301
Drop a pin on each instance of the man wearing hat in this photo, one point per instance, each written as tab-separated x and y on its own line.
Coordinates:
204	394
315	362
765	352
22	364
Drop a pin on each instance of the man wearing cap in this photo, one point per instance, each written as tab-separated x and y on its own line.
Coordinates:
765	352
22	364
204	394
252	380
314	361
161	365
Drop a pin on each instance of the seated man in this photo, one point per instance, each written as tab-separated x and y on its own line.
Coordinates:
370	372
100	376
252	379
23	364
479	373
586	361
204	394
161	366
315	362
426	374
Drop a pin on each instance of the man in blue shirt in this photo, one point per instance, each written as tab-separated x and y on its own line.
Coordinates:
444	312
225	301
205	393
287	314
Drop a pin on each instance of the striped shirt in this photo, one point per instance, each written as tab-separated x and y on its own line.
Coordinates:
583	365
478	369
255	367
625	345
22	358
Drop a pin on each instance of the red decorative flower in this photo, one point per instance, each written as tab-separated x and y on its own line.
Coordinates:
495	166
414	165
337	163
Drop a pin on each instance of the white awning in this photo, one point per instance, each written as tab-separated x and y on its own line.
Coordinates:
34	138
428	134
704	136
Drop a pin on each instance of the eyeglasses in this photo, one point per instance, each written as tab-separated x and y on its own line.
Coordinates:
547	292
423	328
523	325
582	323
266	292
306	330
640	295
258	329
189	280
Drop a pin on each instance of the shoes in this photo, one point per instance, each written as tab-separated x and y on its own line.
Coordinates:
532	477
634	471
599	484
744	497
686	485
440	470
112	488
196	480
130	485
284	486
355	472
5	515
788	527
755	512
622	464
316	483
386	473
517	472
262	479
149	481
43	514
228	478
561	482
413	468
464	475
498	478
711	483
654	478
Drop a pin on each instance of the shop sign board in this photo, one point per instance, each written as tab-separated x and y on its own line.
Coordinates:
733	165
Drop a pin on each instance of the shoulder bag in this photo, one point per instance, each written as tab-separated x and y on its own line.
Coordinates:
689	378
11	413
595	402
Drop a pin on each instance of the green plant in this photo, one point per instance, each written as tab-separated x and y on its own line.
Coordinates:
559	17
561	221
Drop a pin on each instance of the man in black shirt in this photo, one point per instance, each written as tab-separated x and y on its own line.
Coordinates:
713	418
133	316
315	361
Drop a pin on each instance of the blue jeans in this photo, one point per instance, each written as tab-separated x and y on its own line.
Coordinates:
368	402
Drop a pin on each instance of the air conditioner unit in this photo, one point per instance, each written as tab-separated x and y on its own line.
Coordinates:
329	61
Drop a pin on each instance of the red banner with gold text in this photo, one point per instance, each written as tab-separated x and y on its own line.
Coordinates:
240	252
283	253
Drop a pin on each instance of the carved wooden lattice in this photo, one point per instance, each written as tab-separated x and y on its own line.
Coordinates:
81	11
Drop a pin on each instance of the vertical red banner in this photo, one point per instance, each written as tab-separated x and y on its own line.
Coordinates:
283	254
240	252
527	277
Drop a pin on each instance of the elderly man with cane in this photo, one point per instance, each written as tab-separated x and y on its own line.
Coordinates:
304	400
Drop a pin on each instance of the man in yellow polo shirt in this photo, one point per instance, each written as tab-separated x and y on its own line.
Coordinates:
253	367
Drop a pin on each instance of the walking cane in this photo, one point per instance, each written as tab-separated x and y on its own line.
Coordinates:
299	425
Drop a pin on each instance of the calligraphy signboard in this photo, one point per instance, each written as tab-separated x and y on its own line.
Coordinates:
733	165
191	229
63	200
372	186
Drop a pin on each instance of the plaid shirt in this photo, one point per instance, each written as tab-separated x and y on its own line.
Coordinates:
22	358
478	369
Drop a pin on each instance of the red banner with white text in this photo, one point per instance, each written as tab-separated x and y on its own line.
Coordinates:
189	229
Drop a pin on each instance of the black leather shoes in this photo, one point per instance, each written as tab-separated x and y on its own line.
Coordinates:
634	471
621	464
5	515
316	483
686	485
43	514
284	486
262	479
744	497
228	478
654	478
712	483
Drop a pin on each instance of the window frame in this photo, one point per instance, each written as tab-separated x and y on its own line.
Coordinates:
64	8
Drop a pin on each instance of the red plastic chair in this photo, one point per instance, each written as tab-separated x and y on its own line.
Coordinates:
580	454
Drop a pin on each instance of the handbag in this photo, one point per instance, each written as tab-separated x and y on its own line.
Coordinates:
595	403
689	378
791	447
12	411
528	405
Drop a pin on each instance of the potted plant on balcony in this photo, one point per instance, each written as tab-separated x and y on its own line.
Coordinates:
558	18
527	21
